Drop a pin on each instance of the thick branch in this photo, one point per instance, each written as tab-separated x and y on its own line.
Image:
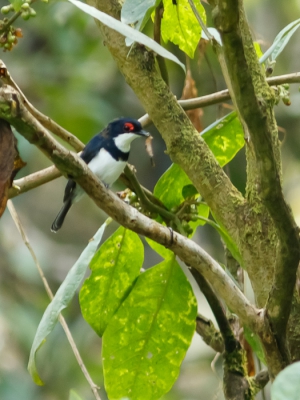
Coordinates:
12	110
255	105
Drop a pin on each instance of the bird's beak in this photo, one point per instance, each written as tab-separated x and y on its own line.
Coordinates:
143	133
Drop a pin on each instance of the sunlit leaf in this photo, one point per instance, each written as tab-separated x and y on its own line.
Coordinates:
287	384
180	26
115	267
225	138
147	339
126	31
62	298
280	41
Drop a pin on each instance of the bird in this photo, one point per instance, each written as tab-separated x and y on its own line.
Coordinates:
106	154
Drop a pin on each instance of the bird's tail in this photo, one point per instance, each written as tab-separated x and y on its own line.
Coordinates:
59	220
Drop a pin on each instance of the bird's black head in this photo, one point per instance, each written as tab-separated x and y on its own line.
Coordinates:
126	126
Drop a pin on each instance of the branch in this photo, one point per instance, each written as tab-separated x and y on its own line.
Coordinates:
255	106
48	174
210	335
62	321
13	110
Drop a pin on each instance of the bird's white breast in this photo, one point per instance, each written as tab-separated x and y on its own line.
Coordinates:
106	167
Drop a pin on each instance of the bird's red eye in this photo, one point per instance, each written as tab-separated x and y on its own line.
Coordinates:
128	127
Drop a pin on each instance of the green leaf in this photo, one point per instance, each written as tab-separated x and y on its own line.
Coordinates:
147	339
180	26
62	298
280	41
225	138
168	188
126	31
189	191
115	267
161	250
287	383
255	344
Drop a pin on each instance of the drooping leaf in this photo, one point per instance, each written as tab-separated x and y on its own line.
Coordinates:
62	298
147	339
287	384
180	26
126	31
280	41
115	267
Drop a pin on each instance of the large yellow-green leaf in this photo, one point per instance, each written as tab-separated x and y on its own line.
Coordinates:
180	26
147	339
114	267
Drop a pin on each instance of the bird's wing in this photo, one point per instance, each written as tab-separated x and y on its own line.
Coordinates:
92	148
88	153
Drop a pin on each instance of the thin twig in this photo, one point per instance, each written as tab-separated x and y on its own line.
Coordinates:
62	321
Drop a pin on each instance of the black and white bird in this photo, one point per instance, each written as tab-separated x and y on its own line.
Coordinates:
106	155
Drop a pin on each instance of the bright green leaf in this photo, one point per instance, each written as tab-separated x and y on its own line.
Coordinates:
161	250
225	138
168	188
287	383
180	26
62	298
147	339
115	267
126	31
280	41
